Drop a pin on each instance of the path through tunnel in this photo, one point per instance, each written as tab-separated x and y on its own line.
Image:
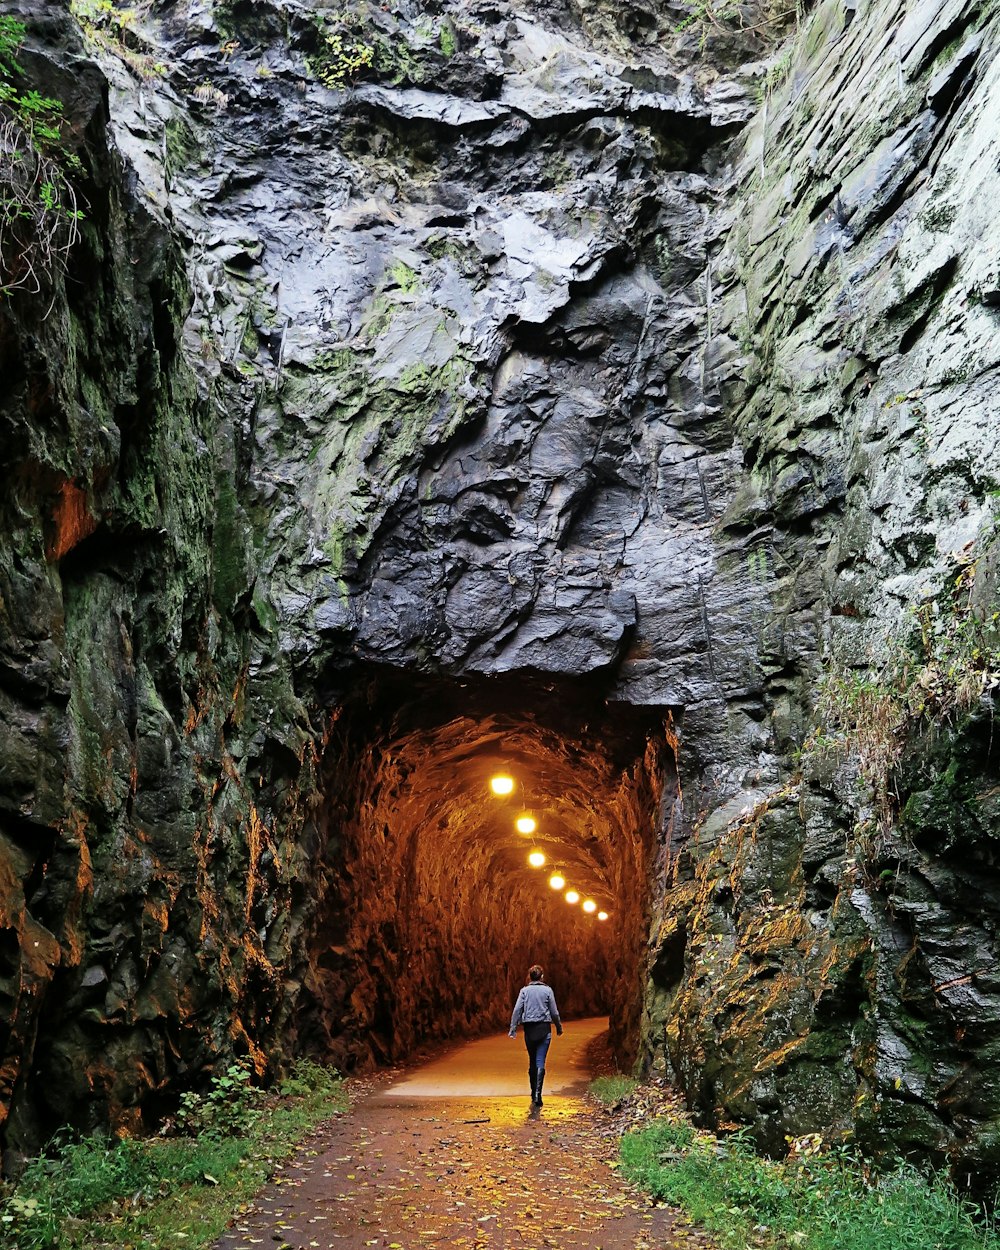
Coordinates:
427	909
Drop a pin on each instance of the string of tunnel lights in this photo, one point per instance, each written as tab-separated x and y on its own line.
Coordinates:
503	786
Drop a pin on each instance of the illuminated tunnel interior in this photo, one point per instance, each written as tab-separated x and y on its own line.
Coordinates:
427	912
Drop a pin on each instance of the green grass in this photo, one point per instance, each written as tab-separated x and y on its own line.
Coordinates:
159	1192
819	1202
612	1089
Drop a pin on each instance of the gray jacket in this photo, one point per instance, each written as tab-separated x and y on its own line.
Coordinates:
535	1003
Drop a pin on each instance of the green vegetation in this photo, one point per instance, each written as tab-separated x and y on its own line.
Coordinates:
777	73
404	277
110	26
354	45
766	19
814	1200
612	1089
168	1191
948	661
39	215
447	41
230	1108
708	14
341	60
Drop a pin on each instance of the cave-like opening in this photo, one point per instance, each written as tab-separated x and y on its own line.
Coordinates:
425	908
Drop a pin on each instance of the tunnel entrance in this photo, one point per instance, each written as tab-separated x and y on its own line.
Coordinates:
427	910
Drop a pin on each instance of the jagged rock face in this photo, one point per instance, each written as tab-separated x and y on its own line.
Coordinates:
470	429
131	853
511	350
841	936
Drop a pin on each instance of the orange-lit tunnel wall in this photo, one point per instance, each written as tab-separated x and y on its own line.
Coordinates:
426	911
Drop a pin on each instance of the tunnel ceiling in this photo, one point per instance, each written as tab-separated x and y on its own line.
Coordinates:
564	774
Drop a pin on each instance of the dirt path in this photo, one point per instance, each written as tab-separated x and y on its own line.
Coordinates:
452	1154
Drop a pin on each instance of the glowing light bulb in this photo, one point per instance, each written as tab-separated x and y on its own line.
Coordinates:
589	905
602	915
572	896
536	859
502	784
525	824
556	881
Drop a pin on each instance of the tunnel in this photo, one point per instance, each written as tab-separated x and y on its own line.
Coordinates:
432	893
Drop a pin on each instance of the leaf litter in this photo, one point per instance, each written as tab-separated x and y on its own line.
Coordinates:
386	1176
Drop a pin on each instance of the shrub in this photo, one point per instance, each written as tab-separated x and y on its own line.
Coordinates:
766	18
230	1106
341	59
310	1079
111	27
39	214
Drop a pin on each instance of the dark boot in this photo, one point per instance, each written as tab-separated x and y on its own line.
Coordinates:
533	1078
538	1088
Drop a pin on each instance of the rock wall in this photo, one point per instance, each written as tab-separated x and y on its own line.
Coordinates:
567	344
828	955
134	859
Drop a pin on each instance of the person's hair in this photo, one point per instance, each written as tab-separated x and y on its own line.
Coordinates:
535	973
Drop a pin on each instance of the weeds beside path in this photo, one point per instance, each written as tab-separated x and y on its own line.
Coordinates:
296	1169
817	1199
168	1192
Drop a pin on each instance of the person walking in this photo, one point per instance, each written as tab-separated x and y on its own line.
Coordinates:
536	1011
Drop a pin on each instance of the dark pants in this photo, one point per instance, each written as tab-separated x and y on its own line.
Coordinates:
537	1038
